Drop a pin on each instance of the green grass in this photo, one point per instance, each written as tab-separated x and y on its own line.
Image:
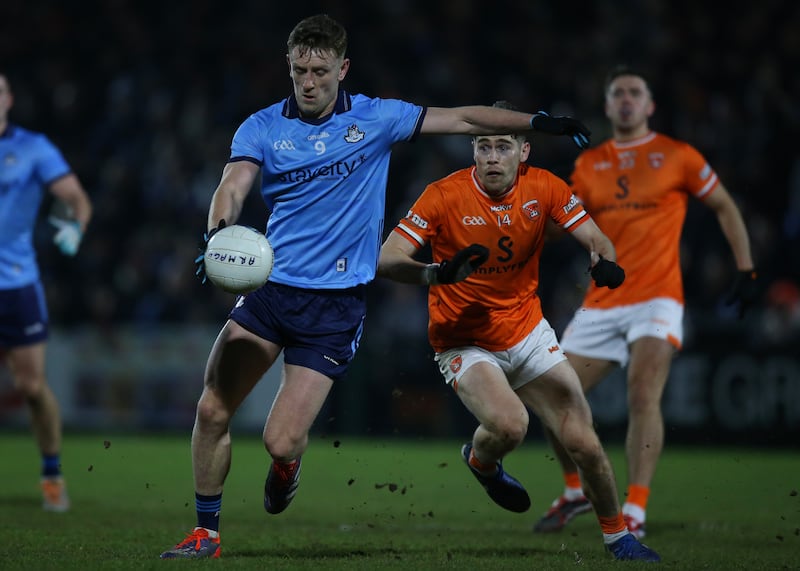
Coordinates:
376	504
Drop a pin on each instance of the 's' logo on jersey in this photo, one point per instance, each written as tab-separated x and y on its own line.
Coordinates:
473	221
353	134
455	364
531	208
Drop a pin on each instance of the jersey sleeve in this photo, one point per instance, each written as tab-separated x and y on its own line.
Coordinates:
420	223
701	179
404	119
50	163
565	208
247	141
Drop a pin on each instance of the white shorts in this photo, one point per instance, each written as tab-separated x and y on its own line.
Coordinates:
530	358
607	333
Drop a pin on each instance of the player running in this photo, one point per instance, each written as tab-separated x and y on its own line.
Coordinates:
494	347
637	187
322	158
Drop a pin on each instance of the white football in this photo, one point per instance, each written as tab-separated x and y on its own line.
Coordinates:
238	259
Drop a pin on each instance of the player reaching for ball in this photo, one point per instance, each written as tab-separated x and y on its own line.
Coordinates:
322	156
637	186
493	345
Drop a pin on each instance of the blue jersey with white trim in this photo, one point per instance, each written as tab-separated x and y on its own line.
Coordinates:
29	163
324	183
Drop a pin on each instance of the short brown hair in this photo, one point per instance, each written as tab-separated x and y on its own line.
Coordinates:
624	69
319	32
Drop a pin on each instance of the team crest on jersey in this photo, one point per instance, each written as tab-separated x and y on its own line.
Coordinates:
353	134
10	159
531	208
656	160
455	364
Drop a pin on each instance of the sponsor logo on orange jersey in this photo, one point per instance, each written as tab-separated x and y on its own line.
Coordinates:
553	349
573	202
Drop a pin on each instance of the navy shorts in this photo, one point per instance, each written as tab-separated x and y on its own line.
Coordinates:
318	329
23	316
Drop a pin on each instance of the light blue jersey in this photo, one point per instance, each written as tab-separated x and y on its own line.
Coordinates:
29	163
324	182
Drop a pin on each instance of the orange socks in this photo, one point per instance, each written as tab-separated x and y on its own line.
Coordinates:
485	469
612	525
638	495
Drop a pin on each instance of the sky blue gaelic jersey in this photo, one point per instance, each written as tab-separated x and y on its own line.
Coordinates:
324	182
29	162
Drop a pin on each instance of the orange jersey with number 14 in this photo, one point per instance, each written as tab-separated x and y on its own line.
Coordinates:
637	192
497	305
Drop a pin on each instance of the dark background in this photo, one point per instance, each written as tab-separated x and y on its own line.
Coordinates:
143	98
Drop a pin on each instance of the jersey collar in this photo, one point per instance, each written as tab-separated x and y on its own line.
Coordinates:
343	104
479	186
635	142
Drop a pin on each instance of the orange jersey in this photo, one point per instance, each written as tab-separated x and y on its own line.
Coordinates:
637	192
497	305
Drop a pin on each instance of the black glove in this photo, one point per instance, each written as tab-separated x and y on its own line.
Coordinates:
745	291
463	263
200	260
544	123
607	273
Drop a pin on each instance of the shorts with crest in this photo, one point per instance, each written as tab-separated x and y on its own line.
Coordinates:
524	362
318	329
23	316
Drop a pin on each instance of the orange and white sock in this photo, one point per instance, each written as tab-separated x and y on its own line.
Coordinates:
572	486
613	528
635	504
486	469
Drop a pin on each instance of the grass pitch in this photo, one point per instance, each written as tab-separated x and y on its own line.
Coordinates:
384	504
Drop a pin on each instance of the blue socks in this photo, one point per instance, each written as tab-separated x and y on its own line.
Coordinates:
51	466
208	508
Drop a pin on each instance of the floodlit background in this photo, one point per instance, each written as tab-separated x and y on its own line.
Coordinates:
143	98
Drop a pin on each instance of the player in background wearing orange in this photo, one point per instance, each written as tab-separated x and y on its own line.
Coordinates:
637	186
492	343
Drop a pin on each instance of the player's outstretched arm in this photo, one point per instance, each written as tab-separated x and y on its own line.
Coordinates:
484	120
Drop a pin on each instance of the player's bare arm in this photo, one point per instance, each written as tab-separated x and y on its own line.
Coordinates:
237	180
733	227
474	120
69	190
396	261
595	242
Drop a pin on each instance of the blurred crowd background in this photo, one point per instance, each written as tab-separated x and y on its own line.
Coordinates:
143	98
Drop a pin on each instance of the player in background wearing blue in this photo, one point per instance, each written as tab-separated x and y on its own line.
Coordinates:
323	157
29	165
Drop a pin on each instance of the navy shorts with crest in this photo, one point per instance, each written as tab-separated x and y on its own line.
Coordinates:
23	316
318	329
